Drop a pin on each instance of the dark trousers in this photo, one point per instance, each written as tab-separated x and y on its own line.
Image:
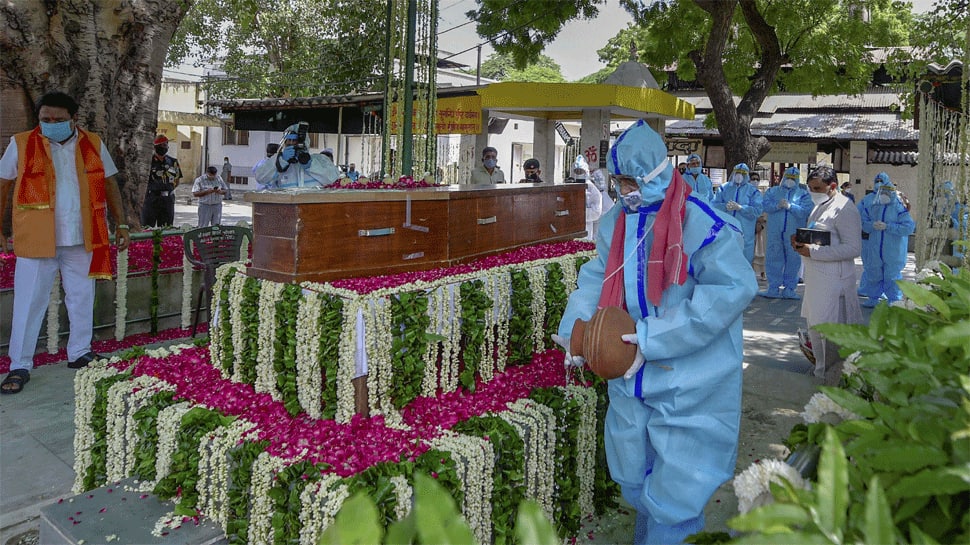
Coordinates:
158	210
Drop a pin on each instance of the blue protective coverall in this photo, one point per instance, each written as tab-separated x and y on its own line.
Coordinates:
883	251
700	184
782	262
750	200
276	173
672	429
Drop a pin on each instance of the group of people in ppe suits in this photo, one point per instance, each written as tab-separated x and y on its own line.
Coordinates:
886	226
598	200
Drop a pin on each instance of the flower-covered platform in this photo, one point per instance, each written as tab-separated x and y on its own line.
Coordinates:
309	393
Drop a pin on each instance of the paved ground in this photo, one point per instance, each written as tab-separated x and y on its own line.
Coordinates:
37	427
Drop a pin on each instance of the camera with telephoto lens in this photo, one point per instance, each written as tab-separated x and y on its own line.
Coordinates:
302	153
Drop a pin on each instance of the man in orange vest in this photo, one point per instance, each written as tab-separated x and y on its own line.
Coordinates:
62	179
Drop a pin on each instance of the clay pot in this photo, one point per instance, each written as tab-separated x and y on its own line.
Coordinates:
599	341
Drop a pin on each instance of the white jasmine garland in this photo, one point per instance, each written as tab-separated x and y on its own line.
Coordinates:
236	288
821	405
169	422
121	295
84	393
216	330
537	283
54	315
502	305
124	398
308	373
269	295
265	469
752	486
136	400
319	503
586	447
849	366
570	276
450	379
475	463
429	382
403	493
487	362
213	483
347	364
187	274
539	424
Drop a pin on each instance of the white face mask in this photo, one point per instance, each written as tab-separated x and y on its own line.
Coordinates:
884	199
738	179
788	183
819	198
632	200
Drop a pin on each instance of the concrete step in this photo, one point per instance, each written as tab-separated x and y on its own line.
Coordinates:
117	513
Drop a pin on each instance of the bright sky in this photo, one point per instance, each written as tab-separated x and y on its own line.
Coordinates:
575	47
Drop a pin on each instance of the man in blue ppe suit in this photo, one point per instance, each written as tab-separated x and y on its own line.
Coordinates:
672	426
295	167
742	201
788	206
886	226
700	184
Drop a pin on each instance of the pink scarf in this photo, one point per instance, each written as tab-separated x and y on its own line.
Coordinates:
667	263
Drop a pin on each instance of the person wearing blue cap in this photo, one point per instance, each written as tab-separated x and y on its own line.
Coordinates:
788	206
293	166
886	226
743	202
676	265
699	183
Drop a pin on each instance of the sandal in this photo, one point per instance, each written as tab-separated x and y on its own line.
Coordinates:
16	379
83	361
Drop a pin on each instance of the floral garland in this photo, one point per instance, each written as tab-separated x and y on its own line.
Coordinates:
403	492
537	284
124	398
284	351
380	363
410	323
538	425
85	392
261	514
187	285
319	505
214	474
586	448
476	464
54	315
121	295
821	408
429	380
169	421
238	323
752	486
217	327
347	364
308	372
269	294
474	303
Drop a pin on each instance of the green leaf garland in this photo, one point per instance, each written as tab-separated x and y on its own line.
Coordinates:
409	322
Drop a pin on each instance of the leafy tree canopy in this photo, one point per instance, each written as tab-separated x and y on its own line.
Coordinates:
502	67
280	49
523	28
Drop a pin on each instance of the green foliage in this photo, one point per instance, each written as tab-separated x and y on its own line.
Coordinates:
284	495
410	321
520	322
900	473
605	489
556	298
183	476
225	326
330	326
146	426
96	474
521	29
434	518
474	302
508	488
566	514
279	49
249	307
241	461
502	67
284	347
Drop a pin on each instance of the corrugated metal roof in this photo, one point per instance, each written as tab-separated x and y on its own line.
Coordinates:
873	127
872	100
888	157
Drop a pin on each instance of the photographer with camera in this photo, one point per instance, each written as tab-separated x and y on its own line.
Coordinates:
292	164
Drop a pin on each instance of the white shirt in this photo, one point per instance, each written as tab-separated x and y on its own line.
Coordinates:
203	183
67	199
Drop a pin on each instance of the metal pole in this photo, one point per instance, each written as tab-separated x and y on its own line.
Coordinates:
407	140
478	67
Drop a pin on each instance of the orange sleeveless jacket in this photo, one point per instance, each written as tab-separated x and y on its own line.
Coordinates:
33	201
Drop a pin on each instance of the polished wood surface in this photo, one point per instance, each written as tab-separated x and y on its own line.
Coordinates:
328	235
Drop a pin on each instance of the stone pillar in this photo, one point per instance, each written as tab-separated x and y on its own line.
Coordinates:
544	147
858	154
595	130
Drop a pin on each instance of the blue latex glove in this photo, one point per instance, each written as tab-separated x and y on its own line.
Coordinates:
288	153
570	361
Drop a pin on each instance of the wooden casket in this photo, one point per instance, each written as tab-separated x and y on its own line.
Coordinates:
332	234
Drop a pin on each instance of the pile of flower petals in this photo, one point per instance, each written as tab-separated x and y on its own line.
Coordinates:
404	182
352	447
364	285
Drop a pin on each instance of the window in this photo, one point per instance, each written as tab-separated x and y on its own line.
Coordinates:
232	137
239	180
314	140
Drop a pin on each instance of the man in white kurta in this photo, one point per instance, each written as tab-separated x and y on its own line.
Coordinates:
830	276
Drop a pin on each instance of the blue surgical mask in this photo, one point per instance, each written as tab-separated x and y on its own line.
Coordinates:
632	200
57	132
490	163
694	170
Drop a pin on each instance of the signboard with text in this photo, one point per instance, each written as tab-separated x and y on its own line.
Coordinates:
455	115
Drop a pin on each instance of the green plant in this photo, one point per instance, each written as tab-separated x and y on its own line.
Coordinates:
284	347
520	322
434	518
97	472
331	318
146	426
901	471
474	302
241	461
249	308
410	322
556	298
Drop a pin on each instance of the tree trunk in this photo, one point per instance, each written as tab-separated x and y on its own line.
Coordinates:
734	122
108	55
